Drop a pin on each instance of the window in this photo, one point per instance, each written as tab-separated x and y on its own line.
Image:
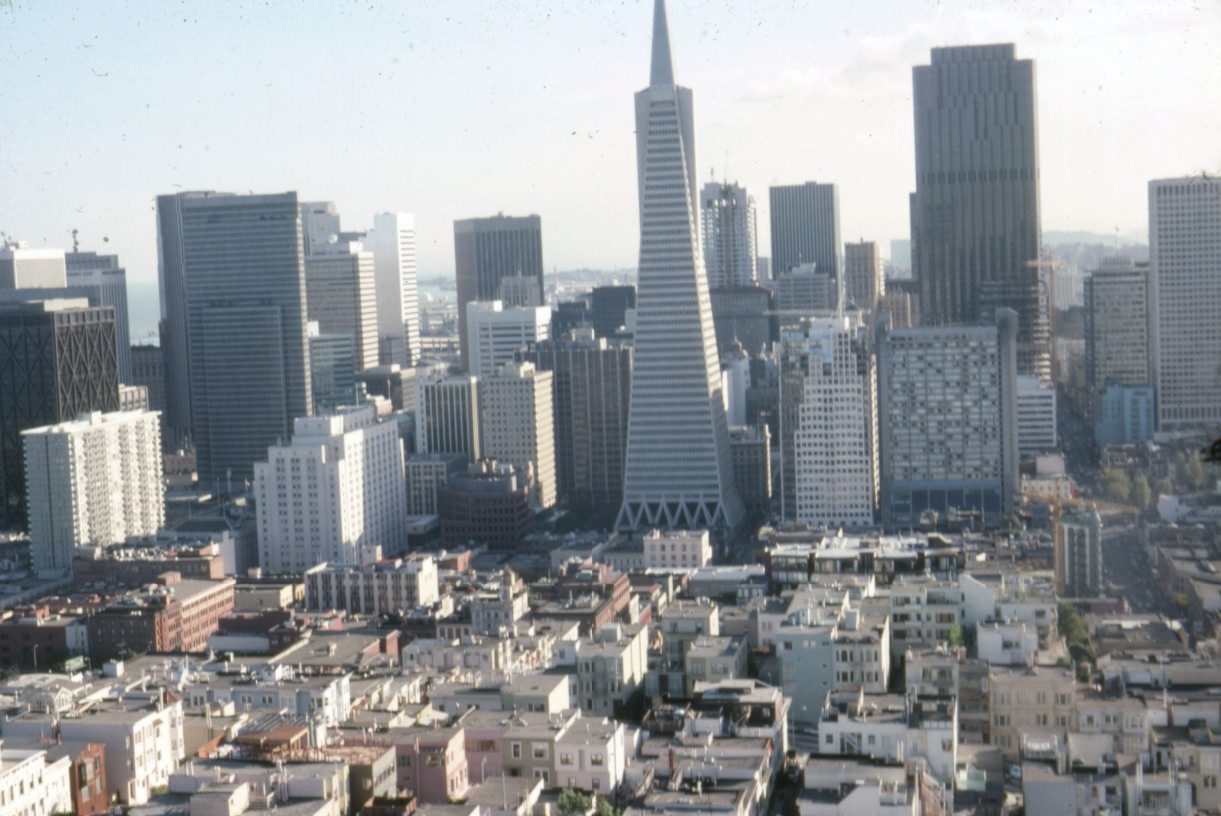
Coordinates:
539	752
515	750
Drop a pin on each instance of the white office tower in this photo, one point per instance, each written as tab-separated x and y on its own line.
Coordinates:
447	414
835	441
1036	416
495	332
392	242
25	268
1185	258
92	482
518	422
678	472
727	223
334	493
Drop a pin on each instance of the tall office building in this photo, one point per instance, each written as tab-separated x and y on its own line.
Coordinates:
742	317
517	422
863	281
24	268
237	264
1036	416
833	443
320	226
1078	553
92	481
335	493
57	361
975	212
339	286
947	421
332	367
593	389
805	228
392	242
103	273
148	370
1185	257
608	308
488	250
727	224
447	415
496	332
678	472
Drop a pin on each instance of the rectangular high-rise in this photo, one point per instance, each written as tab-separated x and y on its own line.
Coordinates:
392	242
496	332
243	275
609	306
592	388
975	213
947	411
22	267
447	415
517	423
103	274
863	281
678	471
1185	259
1118	329
727	225
57	361
488	250
95	480
340	294
805	228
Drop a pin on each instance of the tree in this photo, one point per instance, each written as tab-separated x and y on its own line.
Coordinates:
604	808
1163	487
956	636
1140	494
1115	485
573	803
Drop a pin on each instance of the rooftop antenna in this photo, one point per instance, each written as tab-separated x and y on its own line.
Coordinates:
76	244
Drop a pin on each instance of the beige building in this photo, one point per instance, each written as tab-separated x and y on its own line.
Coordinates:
1031	707
517	418
677	549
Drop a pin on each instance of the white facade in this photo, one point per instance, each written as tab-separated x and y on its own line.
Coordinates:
495	332
447	415
836	438
93	481
392	242
24	268
31	785
1036	416
373	589
1185	259
334	494
517	417
677	549
728	228
427	473
678	471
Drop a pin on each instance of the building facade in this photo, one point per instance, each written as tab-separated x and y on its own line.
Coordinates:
335	493
678	471
1036	416
392	242
517	420
341	297
864	284
397	585
497	333
727	226
805	228
103	274
447	415
1118	332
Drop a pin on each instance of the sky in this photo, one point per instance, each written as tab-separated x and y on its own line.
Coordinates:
459	108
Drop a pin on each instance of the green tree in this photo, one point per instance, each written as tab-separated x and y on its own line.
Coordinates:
1163	487
1115	485
957	638
1140	494
573	803
605	808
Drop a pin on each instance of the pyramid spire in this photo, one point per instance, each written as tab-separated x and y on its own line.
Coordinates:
662	69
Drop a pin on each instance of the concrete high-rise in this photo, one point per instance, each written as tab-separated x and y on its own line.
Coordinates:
517	422
947	421
593	389
339	286
148	370
103	274
833	444
727	224
975	213
392	242
92	481
678	471
1185	258
447	415
332	366
57	361
239	263
24	268
805	228
488	250
1078	553
863	281
335	493
1118	326
496	332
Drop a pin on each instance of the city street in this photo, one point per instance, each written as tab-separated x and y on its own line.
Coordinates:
1126	571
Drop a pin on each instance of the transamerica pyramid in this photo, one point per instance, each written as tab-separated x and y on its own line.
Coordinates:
678	471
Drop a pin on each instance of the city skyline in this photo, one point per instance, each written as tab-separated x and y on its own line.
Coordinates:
1109	76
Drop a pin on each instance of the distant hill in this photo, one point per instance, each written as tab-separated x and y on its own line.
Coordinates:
1054	238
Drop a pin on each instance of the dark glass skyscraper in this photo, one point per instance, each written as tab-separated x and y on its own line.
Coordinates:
805	228
975	212
488	250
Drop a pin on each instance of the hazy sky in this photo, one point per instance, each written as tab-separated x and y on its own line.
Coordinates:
459	108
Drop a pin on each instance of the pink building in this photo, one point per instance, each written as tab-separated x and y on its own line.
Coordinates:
432	763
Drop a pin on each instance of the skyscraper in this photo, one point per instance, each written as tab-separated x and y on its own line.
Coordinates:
447	415
805	228
975	212
609	306
57	360
727	223
241	266
678	471
24	268
863	281
517	421
103	273
392	242
496	333
1185	257
339	286
488	250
